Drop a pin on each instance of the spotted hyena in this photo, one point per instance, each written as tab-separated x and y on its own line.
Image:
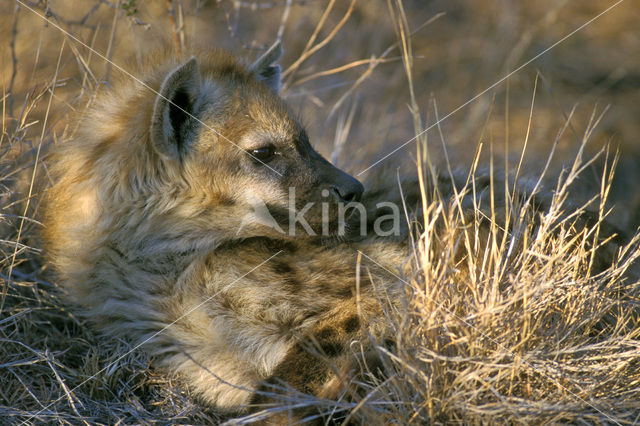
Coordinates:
147	227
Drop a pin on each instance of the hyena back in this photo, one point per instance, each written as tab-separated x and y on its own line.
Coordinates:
144	225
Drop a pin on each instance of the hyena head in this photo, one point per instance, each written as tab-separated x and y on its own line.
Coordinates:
224	130
197	152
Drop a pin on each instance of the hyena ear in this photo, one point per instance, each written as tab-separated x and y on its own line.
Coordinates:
266	69
173	111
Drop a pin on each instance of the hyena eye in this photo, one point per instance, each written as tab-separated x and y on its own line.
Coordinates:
263	154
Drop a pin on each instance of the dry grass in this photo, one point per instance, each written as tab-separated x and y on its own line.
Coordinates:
533	329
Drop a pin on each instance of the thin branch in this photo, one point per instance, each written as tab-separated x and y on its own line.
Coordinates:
308	50
109	54
283	21
14	59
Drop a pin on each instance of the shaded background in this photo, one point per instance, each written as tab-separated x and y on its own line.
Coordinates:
356	115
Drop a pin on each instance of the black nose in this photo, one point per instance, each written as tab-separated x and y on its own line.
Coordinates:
348	190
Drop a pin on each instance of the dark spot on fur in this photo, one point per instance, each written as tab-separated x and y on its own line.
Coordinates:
289	247
327	339
331	348
282	268
287	276
326	333
351	324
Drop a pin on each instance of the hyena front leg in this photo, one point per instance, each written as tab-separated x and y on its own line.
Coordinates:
325	363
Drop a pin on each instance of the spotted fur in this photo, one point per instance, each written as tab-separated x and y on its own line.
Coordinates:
143	226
